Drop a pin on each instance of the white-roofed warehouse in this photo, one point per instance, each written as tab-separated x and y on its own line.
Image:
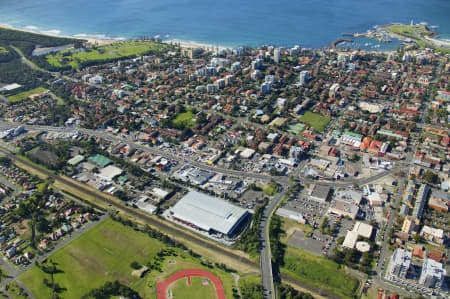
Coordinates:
209	214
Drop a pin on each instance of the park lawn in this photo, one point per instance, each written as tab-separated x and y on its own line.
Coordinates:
317	121
319	272
102	254
24	95
412	31
112	51
16	291
41	187
271	189
181	290
185	120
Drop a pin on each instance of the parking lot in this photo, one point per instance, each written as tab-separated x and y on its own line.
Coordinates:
310	209
315	244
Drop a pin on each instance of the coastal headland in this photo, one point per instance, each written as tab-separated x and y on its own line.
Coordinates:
410	34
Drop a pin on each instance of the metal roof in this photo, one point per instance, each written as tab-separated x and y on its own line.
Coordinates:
208	212
100	160
75	160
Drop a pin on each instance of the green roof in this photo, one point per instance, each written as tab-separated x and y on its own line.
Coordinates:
75	160
100	160
337	133
122	179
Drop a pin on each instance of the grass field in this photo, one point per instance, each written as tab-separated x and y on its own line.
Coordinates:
181	290
184	120
104	254
112	51
271	189
250	286
412	31
24	95
317	121
3	51
319	272
16	291
296	129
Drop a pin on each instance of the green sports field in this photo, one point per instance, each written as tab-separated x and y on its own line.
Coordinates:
105	253
184	120
104	53
24	95
181	290
317	121
100	255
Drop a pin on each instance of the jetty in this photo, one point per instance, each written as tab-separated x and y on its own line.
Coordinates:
339	41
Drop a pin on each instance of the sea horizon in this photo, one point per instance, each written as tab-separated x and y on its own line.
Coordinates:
170	22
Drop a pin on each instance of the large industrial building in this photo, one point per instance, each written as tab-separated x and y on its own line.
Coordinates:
210	215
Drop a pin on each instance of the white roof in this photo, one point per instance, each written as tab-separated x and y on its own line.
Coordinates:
362	246
433	268
375	197
149	208
363	229
160	193
208	212
10	87
247	153
110	172
350	239
290	214
435	232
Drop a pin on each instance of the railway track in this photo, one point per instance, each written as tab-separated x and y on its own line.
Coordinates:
161	225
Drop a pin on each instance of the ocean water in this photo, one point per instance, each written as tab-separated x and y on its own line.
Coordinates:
310	23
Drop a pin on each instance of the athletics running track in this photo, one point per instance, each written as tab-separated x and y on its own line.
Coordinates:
161	287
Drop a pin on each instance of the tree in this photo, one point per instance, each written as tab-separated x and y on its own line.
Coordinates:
417	238
430	177
135	265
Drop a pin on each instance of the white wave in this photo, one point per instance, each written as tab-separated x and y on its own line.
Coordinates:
193	44
98	36
31	27
5	25
51	32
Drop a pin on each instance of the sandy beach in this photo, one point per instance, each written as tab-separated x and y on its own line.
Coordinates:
98	40
195	45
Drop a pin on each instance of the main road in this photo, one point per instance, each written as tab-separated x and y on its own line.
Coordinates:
265	261
172	156
265	252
